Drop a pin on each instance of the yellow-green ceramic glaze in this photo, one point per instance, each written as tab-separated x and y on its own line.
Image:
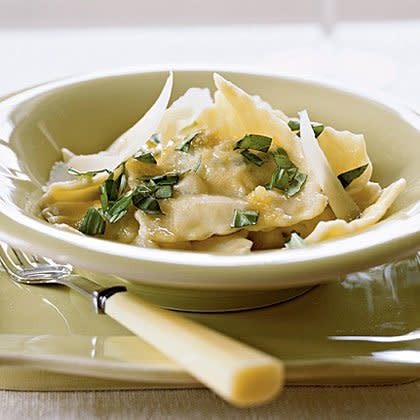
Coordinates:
86	113
362	329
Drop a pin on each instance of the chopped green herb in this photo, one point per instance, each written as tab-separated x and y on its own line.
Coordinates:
254	142
167	179
122	181
196	166
88	174
242	218
93	223
186	145
120	208
348	177
295	241
165	191
281	179
252	157
148	205
318	129
155	138
146	158
104	197
294	125
282	159
286	176
111	189
296	184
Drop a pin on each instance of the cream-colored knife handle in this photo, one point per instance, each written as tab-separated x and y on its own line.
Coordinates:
238	373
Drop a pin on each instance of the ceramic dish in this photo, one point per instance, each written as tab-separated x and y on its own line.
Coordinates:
363	329
87	113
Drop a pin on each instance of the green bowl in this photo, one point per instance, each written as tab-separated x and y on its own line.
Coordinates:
85	114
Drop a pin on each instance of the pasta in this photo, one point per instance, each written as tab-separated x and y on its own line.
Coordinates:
229	175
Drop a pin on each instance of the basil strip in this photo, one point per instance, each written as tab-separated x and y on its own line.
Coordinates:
196	166
296	184
242	218
120	208
155	138
286	177
348	177
295	241
252	157
112	189
93	223
167	179
282	159
185	146
88	174
146	158
294	125
318	129
254	142
164	191
148	204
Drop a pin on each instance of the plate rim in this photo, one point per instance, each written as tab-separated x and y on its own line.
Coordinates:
361	250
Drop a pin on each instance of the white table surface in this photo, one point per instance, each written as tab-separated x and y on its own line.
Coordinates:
384	57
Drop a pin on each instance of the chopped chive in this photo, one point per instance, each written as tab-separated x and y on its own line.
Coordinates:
92	223
295	241
254	142
348	177
146	158
242	218
252	157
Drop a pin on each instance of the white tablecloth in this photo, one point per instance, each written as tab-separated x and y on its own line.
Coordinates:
383	57
300	403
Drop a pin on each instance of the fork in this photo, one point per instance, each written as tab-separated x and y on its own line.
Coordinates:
240	374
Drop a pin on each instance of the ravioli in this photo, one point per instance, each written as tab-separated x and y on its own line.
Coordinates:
226	175
370	216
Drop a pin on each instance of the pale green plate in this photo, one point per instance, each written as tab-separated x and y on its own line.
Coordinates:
364	329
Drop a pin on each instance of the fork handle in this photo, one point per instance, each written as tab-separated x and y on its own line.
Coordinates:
238	373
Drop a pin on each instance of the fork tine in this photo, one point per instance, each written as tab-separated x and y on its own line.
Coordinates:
43	260
6	259
26	260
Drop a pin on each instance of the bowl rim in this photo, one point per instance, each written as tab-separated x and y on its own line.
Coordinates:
361	250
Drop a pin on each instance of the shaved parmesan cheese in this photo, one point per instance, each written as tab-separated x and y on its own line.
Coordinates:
60	173
131	141
184	112
339	200
67	154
